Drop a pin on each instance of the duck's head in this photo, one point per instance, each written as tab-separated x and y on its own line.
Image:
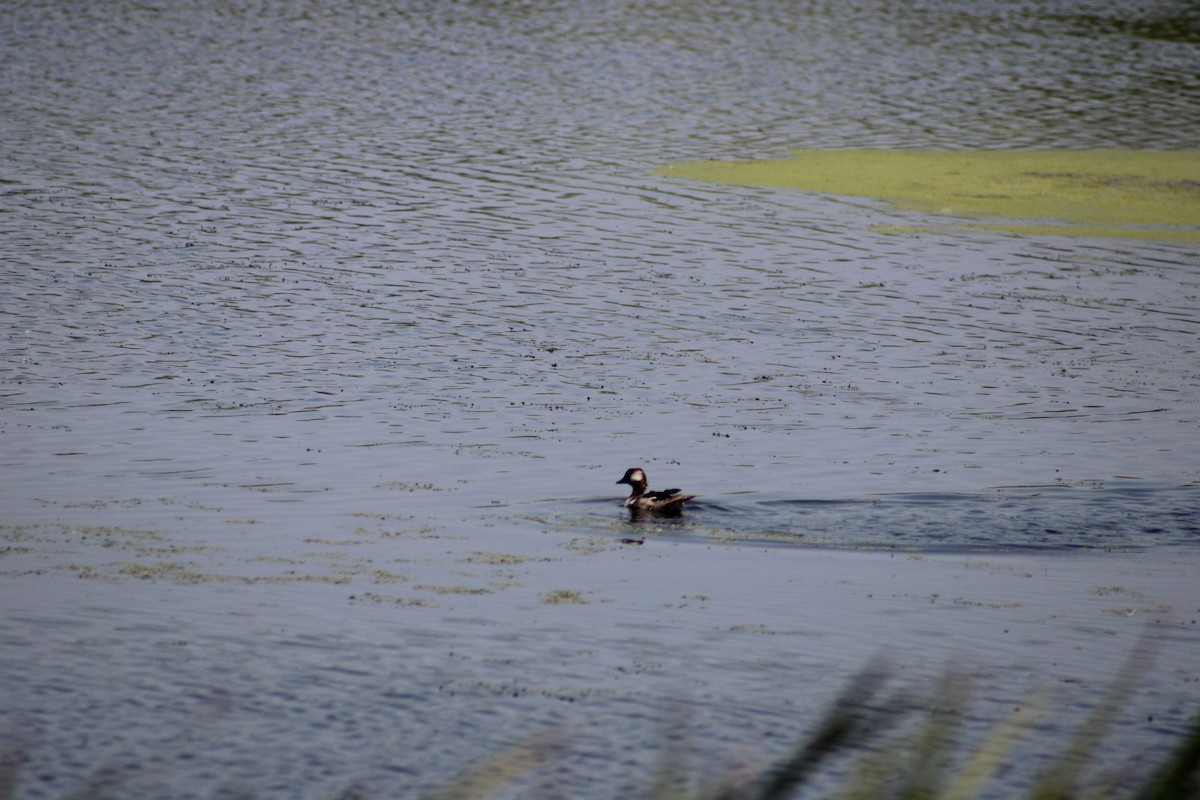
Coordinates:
636	478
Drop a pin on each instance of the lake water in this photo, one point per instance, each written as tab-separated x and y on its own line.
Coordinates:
290	290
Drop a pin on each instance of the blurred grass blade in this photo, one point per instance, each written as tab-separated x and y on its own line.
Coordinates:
1179	777
671	775
996	748
850	720
498	771
930	756
1061	780
100	783
12	756
869	778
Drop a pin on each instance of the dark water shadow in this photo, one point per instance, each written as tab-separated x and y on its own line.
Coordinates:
1027	518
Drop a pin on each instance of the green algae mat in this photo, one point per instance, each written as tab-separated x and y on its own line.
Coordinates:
1132	194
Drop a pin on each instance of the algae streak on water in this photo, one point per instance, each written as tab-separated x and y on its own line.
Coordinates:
1114	193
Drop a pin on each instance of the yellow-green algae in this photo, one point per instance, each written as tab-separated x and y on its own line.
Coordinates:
563	597
1113	193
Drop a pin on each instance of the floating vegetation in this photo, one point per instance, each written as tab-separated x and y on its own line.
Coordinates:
384	576
403	486
382	599
426	587
495	559
166	570
563	597
1131	194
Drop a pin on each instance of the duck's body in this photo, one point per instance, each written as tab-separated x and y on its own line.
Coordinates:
668	503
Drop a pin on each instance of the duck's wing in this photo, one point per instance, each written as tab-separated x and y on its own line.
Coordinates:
672	506
665	494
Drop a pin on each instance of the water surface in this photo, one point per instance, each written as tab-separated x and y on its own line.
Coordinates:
296	295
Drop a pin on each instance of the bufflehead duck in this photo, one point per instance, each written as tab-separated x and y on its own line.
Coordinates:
668	503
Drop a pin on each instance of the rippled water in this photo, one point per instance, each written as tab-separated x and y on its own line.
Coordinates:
270	271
